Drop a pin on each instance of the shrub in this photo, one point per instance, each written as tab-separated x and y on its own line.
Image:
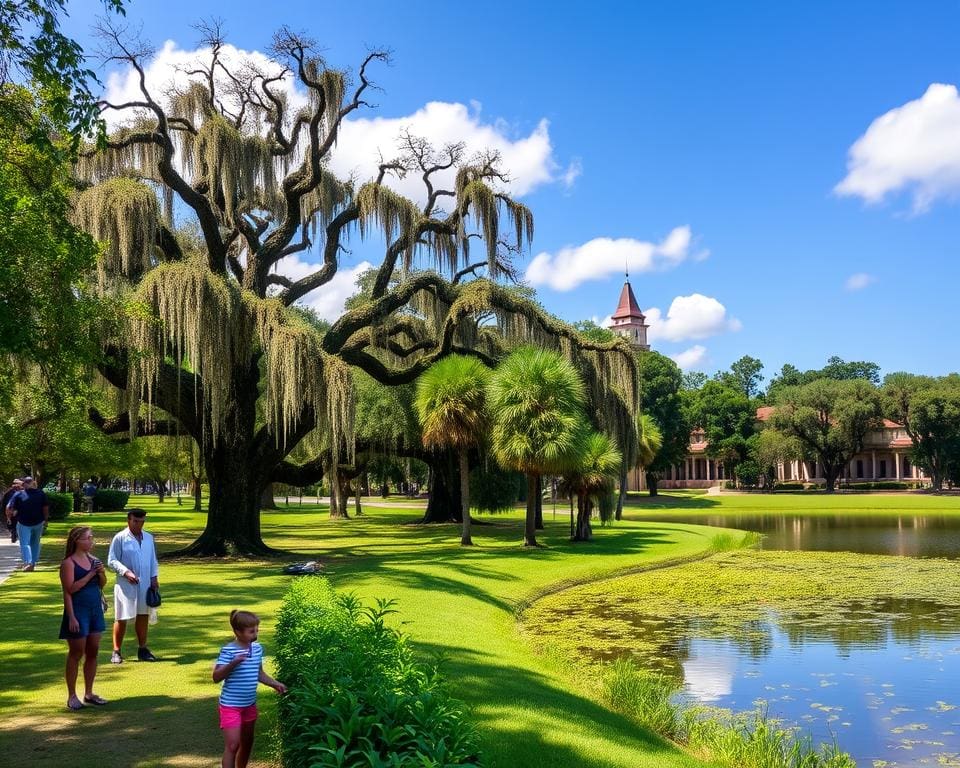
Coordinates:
108	500
357	696
61	505
493	489
788	487
747	473
879	486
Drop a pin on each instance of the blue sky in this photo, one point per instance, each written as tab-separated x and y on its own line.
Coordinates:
733	123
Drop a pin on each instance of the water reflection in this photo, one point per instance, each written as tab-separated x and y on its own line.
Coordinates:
907	535
872	673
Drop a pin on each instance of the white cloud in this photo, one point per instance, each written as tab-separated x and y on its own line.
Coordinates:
859	281
328	300
603	256
914	147
690	317
363	141
573	172
690	359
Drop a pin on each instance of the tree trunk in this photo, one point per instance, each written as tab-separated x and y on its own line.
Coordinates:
573	524
623	491
652	483
584	510
444	504
266	498
197	494
539	502
530	524
465	539
237	475
357	508
830	473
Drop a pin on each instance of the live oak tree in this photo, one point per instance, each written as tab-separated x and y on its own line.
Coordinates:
210	337
830	419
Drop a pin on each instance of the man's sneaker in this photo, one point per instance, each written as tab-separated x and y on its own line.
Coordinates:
143	654
116	658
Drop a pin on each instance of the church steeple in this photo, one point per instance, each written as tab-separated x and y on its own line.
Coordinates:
628	320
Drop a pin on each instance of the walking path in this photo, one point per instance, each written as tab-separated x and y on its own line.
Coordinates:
9	555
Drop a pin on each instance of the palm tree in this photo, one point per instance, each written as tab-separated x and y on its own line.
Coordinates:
597	467
536	401
450	403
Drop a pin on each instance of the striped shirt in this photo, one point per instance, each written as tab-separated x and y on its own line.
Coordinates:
240	686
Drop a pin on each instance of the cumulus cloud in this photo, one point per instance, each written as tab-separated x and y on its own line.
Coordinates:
690	359
364	141
603	256
914	148
859	281
689	318
328	300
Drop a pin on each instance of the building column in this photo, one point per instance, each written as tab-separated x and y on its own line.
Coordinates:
873	457
896	465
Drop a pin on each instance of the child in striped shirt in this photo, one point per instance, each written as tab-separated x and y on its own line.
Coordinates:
240	667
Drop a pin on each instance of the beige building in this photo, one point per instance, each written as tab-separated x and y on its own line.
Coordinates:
885	457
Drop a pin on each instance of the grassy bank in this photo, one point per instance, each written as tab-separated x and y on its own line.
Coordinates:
453	601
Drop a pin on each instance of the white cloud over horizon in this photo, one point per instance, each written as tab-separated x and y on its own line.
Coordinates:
912	148
601	257
690	318
364	140
690	359
858	281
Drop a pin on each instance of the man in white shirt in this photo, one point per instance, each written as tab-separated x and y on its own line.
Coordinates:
134	558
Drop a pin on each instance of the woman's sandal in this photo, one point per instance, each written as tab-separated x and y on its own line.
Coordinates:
94	699
74	704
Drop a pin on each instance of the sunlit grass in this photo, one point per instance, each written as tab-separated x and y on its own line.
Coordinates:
454	601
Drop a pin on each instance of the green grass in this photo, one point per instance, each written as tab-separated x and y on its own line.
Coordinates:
461	603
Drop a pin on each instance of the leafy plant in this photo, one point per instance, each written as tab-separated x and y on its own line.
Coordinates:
109	500
358	697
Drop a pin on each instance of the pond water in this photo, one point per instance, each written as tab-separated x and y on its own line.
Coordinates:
880	676
882	682
909	535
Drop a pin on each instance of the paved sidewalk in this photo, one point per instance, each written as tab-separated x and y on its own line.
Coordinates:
9	555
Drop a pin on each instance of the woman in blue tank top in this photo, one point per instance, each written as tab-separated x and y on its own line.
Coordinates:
83	578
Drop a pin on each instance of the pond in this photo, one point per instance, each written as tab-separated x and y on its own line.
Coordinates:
859	648
908	535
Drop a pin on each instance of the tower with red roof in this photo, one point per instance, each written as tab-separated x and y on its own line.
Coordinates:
628	321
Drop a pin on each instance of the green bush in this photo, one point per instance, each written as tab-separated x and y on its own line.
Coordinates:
493	489
789	487
108	500
61	505
879	486
357	696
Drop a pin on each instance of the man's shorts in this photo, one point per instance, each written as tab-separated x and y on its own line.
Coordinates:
233	717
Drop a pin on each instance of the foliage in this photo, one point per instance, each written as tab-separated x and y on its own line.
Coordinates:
34	49
536	401
747	473
649	440
493	489
744	376
836	369
660	385
590	330
109	500
726	415
358	697
830	419
929	410
46	316
61	505
451	402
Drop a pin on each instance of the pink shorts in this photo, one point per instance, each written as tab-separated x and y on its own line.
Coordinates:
233	717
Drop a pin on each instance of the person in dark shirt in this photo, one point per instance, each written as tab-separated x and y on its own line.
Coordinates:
8	517
32	511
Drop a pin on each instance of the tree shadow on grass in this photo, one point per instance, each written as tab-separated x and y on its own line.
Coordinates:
663	502
129	732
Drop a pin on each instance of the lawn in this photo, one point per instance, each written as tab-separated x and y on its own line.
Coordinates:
454	601
459	602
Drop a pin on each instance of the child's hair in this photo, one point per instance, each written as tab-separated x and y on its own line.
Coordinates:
243	620
76	533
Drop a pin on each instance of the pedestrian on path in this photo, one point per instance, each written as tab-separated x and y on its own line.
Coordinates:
134	558
16	485
32	511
